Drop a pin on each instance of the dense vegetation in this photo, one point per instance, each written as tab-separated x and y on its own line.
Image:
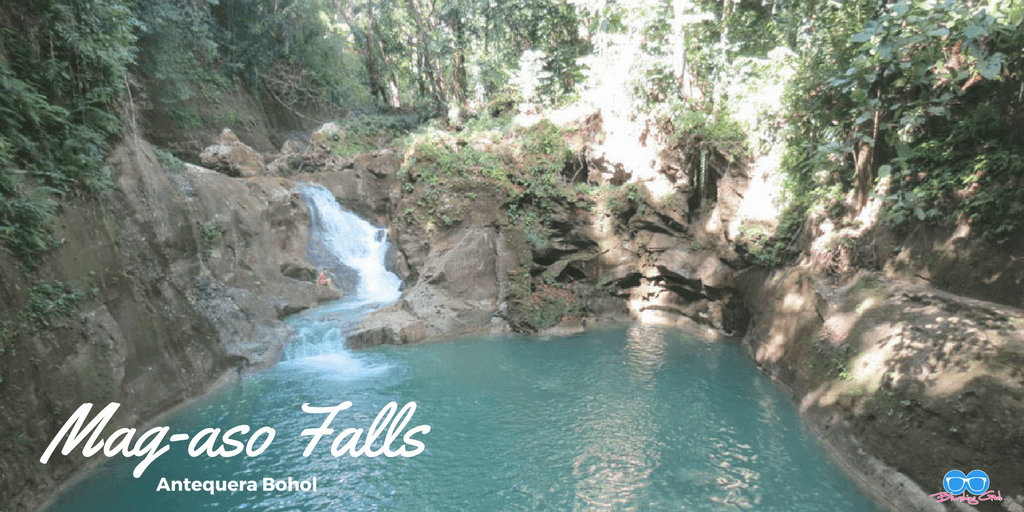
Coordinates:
916	102
63	68
925	97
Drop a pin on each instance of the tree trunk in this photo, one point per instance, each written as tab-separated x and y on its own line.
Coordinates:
678	39
393	93
461	83
864	161
376	85
427	59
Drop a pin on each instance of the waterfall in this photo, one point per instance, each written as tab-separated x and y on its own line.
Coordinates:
340	241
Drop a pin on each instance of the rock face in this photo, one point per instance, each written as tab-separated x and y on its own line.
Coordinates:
457	292
231	156
882	362
954	261
468	265
365	184
675	274
184	276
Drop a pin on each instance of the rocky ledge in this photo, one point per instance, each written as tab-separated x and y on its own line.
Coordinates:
903	382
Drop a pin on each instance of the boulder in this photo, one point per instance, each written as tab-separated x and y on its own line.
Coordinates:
230	156
705	266
299	271
457	291
290	161
291	147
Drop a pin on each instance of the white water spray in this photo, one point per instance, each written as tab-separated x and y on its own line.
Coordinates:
355	242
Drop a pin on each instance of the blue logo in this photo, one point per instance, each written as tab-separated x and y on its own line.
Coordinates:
955	482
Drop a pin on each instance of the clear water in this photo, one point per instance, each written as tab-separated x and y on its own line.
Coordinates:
633	418
624	419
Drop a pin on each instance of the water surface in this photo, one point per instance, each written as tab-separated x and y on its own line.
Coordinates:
634	418
625	419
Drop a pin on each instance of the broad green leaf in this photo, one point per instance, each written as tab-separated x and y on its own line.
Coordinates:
885	50
860	37
937	111
902	150
939	32
974	31
915	40
900	8
990	67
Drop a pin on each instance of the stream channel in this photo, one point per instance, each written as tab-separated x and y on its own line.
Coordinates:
620	418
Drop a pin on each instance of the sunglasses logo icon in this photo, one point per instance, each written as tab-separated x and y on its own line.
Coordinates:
955	482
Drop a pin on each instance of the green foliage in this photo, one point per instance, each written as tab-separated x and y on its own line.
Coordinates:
168	160
177	50
770	248
210	235
715	130
57	90
924	85
211	232
537	308
689	74
624	201
972	168
23	221
523	167
289	50
46	303
436	165
297	50
366	133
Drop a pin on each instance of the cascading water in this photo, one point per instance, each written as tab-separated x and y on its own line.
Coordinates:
637	419
338	236
341	244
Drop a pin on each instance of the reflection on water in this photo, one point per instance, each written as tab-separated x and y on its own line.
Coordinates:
645	351
617	428
639	419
